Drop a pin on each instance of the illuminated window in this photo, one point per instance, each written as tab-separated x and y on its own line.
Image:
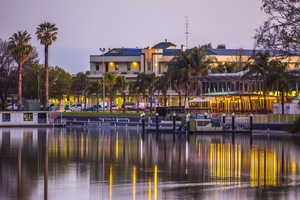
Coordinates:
28	117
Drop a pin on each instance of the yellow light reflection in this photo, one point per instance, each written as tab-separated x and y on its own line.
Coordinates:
149	189
110	181
155	182
134	183
263	170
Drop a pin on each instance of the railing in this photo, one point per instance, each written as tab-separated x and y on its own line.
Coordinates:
260	118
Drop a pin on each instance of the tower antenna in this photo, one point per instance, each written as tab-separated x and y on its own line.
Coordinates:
187	31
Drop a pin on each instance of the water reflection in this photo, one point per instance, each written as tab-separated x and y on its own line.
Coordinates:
64	163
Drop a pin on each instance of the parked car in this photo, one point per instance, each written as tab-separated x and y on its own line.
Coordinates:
94	108
142	106
113	107
77	107
129	106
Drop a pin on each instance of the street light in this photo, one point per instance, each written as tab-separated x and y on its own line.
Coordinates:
38	71
103	50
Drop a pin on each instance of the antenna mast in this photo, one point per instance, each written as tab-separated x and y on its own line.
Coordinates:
186	30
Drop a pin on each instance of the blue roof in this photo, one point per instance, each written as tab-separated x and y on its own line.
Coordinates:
229	52
170	52
124	52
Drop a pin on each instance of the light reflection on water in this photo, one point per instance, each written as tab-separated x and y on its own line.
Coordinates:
68	163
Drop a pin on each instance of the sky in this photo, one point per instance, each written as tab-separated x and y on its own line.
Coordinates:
86	26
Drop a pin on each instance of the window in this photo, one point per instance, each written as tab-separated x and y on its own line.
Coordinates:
128	66
117	67
97	67
27	117
6	117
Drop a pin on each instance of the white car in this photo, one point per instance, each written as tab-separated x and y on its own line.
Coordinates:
77	107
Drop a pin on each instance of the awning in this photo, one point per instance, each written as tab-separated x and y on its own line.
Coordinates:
199	100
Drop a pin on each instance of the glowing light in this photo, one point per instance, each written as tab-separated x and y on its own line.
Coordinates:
111	64
134	64
110	182
134	183
155	182
149	189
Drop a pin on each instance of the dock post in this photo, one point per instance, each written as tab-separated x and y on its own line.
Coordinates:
143	122
251	128
187	118
223	118
233	118
251	123
174	122
156	116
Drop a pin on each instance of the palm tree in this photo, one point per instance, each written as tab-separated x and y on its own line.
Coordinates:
184	66
279	78
47	34
110	80
121	85
96	87
260	69
21	51
162	84
146	85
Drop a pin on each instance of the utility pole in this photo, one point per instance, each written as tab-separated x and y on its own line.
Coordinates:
186	31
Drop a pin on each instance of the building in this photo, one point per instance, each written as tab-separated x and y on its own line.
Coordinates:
131	61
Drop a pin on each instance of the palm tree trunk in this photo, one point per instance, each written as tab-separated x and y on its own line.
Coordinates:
110	100
20	86
46	103
124	102
97	96
282	102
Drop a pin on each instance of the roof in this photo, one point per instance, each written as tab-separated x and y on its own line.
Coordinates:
222	76
124	52
229	52
164	45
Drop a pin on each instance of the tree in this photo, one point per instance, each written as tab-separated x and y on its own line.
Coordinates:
145	83
221	46
184	66
281	30
279	79
8	72
21	50
96	87
122	85
60	82
80	85
47	34
32	81
162	84
260	69
110	80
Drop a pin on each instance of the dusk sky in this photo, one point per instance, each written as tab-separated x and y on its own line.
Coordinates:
85	26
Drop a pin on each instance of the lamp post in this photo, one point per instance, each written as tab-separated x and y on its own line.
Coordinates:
38	79
103	50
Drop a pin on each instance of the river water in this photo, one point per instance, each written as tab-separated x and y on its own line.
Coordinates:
118	163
